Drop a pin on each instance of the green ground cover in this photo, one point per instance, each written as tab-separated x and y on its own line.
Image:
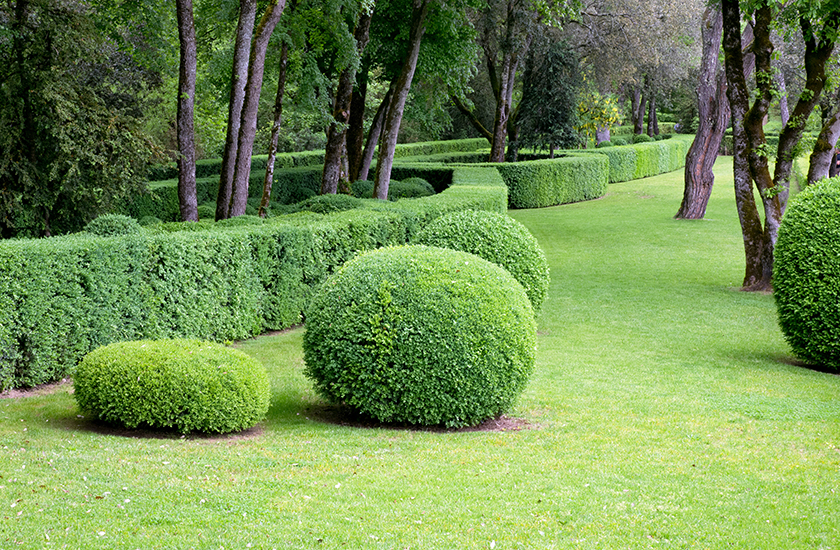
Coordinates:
665	411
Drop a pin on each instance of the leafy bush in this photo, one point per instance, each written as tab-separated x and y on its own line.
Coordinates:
110	225
618	141
497	238
642	138
421	335
806	274
362	189
149	220
324	204
538	183
605	143
206	212
186	385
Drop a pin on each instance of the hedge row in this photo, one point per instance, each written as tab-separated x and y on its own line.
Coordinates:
572	178
630	162
64	296
628	130
213	167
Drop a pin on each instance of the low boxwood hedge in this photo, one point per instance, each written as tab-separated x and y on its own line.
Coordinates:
64	296
183	385
806	274
421	335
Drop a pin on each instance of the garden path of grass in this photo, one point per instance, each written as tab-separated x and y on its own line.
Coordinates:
665	412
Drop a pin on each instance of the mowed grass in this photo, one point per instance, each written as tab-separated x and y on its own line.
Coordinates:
665	412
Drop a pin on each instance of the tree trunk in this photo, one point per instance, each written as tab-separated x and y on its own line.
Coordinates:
356	125
503	107
713	111
639	115
335	151
239	77
759	266
823	156
816	57
784	108
374	133
275	131
187	195
635	102
653	121
470	115
250	106
393	117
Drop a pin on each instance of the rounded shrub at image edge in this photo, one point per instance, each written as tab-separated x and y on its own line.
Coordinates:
419	335
497	238
112	225
185	385
806	274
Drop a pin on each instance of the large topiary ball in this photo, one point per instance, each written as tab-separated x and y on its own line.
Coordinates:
806	275
421	335
185	385
112	225
497	238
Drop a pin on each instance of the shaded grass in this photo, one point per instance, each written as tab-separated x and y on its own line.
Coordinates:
665	411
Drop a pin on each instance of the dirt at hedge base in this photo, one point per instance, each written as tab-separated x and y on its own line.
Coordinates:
43	389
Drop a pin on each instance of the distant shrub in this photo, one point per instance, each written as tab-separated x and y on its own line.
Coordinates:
605	143
362	189
206	212
421	335
410	188
497	238
642	138
184	385
324	204
111	225
149	220
618	141
239	221
806	274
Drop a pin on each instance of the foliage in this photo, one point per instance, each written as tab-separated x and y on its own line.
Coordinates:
642	138
497	238
419	335
596	111
538	183
185	385
547	114
806	274
606	143
61	298
110	225
71	143
617	141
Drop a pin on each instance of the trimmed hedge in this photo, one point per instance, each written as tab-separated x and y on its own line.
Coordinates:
642	160
539	183
420	335
497	238
65	296
806	274
185	385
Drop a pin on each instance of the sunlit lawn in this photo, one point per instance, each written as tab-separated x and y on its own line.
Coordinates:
665	411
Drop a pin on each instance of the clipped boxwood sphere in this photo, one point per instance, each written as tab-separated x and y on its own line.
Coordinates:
185	385
421	335
497	238
806	275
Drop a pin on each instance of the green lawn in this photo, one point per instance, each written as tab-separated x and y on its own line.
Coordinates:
665	412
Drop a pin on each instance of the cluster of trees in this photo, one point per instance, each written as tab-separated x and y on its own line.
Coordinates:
92	92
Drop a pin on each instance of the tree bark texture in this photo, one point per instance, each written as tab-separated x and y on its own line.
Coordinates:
335	151
759	267
356	124
817	54
823	157
393	116
653	120
275	131
187	195
250	106
639	113
239	77
713	111
374	133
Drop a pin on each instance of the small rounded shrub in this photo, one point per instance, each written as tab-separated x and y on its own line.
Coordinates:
618	141
324	204
112	225
149	220
605	143
420	335
185	385
806	274
362	189
239	221
642	138
497	238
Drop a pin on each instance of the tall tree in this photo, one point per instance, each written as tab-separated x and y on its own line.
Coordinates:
818	23
239	78
250	106
822	162
71	143
396	105
187	195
